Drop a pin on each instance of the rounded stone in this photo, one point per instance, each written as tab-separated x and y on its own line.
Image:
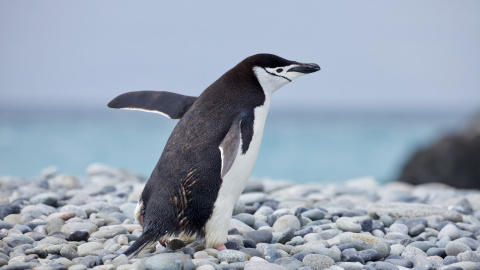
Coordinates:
362	242
285	222
260	236
68	252
399	227
450	231
386	220
167	261
455	248
318	261
314	214
88	248
78	236
348	225
231	256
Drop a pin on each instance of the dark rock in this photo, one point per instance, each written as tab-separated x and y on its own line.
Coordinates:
367	254
233	231
232	245
452	160
287	235
436	252
367	224
78	236
260	236
249	243
175	244
8	209
39	252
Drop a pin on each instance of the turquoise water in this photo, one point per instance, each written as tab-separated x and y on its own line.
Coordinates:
304	147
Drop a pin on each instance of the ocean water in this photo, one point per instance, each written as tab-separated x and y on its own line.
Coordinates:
300	146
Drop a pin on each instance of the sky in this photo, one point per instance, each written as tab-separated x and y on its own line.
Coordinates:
374	55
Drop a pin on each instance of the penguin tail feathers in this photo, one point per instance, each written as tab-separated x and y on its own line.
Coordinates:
143	242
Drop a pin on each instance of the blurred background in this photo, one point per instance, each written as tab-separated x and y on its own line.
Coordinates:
396	76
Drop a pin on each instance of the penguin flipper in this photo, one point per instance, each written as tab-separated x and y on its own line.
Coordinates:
168	104
230	146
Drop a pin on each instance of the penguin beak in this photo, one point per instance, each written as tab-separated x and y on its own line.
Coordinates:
305	68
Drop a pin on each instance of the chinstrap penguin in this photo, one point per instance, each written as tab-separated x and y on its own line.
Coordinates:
211	152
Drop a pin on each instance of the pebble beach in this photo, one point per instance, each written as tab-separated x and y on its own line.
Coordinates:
59	221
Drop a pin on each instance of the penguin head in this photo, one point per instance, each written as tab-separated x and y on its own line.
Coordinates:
274	72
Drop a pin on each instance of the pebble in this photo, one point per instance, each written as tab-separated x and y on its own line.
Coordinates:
455	248
89	223
88	248
260	236
232	256
348	225
285	222
318	261
167	261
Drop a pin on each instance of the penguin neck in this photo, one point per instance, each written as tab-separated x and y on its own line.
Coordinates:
269	83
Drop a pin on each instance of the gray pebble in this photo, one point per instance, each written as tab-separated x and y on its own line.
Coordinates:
399	227
450	231
436	252
348	225
416	230
167	261
270	253
362	242
232	256
88	248
260	236
314	214
455	248
383	266
386	220
68	252
289	263
285	222
253	197
318	261
468	256
246	218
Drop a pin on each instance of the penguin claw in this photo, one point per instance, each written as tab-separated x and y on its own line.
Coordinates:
221	247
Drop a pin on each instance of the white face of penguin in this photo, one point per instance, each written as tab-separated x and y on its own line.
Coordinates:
272	79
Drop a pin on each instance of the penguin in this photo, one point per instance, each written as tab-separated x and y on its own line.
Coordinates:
211	152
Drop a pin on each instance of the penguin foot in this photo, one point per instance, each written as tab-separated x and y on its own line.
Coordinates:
221	247
164	242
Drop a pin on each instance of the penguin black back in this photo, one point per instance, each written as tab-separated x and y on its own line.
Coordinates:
208	151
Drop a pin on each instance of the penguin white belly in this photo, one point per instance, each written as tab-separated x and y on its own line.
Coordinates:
234	181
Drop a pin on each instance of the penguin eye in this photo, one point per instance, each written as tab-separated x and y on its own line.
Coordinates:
279	70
